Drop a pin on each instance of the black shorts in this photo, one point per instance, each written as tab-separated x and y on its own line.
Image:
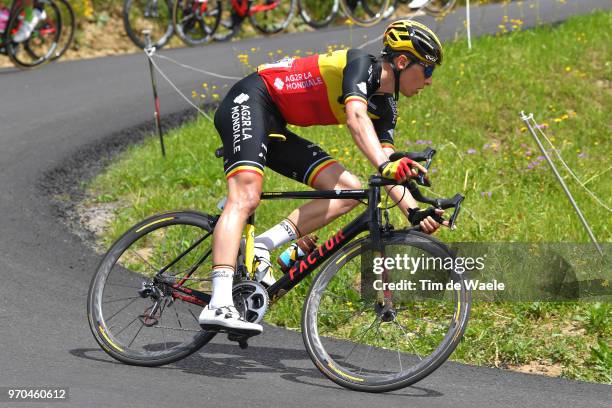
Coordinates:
245	119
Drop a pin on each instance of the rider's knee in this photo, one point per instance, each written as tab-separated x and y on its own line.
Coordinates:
244	197
349	182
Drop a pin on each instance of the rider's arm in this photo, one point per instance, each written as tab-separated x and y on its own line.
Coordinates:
363	133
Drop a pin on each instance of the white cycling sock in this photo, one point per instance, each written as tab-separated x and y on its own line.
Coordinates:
280	234
222	282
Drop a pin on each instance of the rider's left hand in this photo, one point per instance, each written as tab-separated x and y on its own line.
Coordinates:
424	219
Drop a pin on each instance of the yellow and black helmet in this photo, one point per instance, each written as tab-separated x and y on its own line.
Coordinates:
413	37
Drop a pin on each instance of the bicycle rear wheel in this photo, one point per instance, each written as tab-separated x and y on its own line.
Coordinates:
43	41
317	13
195	21
365	13
364	343
272	16
68	28
154	15
135	311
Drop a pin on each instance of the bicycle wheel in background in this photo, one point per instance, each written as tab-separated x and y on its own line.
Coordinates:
439	8
272	16
154	15
68	28
230	23
318	13
195	21
365	13
363	343
133	311
43	41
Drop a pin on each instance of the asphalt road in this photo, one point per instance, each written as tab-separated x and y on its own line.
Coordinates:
57	119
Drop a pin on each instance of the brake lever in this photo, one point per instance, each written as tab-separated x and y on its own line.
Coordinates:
440	203
423	156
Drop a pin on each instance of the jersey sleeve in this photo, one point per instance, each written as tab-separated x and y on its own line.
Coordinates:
356	76
384	109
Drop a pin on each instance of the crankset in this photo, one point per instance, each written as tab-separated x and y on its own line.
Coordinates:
251	299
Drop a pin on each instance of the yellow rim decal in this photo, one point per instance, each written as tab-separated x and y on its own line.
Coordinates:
347	254
153	223
112	343
343	374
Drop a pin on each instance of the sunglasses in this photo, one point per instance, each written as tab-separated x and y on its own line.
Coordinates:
427	69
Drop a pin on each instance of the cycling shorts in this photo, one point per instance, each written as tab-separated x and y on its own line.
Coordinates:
245	119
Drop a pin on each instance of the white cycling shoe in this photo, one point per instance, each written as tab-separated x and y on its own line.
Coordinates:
227	319
416	4
26	28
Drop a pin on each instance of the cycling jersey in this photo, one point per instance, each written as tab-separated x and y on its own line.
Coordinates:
313	90
301	91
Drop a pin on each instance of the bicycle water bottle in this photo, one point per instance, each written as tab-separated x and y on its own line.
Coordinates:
4	17
299	249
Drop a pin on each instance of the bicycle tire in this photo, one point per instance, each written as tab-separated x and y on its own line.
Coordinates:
134	15
230	24
439	8
274	20
322	346
35	57
128	267
315	16
68	28
188	20
363	12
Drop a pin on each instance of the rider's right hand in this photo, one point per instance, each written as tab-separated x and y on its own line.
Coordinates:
400	170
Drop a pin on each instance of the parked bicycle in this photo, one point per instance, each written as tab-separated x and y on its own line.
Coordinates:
321	13
267	16
153	282
35	32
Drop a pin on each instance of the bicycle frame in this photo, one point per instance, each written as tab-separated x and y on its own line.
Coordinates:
369	220
245	8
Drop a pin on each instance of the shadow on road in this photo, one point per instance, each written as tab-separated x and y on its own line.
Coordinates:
227	361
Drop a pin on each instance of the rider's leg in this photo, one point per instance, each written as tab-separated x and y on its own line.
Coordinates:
244	190
318	213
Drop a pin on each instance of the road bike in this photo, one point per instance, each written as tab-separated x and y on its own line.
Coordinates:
145	298
267	16
41	45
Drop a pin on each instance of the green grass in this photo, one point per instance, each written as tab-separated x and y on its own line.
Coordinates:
471	116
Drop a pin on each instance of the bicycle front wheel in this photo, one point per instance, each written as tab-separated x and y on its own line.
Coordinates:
153	15
367	339
136	312
272	16
365	13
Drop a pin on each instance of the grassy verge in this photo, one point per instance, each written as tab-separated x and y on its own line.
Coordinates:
471	115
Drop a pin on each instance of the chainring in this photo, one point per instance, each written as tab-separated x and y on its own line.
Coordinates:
251	299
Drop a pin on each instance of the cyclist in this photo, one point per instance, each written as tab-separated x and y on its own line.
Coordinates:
347	86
